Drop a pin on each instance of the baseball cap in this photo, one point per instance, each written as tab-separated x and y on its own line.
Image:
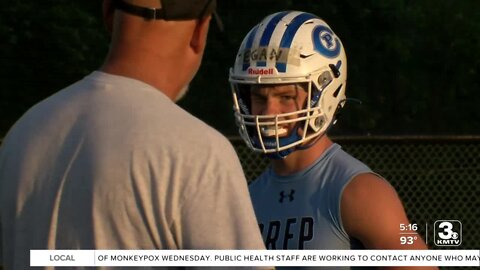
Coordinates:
169	10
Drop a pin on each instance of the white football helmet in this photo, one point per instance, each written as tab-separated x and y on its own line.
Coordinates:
289	47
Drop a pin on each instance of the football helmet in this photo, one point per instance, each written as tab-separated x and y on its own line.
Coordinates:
289	47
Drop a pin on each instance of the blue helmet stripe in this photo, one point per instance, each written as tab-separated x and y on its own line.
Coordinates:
249	43
289	34
268	32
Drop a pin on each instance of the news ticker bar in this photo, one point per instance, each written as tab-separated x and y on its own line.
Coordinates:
142	258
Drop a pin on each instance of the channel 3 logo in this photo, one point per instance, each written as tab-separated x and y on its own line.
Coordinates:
448	233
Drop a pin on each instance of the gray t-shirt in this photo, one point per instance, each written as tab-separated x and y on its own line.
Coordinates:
111	163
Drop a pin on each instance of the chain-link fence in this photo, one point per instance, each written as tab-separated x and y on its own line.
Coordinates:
436	178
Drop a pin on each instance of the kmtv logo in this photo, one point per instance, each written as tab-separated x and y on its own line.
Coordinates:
447	233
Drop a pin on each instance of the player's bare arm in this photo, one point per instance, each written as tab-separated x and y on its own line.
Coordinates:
372	213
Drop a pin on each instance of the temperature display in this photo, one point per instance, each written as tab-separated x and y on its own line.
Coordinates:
408	233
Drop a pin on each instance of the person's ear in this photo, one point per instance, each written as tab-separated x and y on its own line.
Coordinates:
108	14
199	37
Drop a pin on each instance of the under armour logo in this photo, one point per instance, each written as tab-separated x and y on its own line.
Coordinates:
289	196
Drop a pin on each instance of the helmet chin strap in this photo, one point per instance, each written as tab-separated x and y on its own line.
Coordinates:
284	153
271	143
310	144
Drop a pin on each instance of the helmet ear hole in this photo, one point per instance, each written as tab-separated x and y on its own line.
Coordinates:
317	123
324	80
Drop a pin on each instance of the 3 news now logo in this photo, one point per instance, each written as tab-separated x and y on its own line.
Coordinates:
448	233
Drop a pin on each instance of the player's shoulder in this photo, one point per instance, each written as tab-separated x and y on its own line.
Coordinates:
339	168
369	197
372	210
368	186
344	159
368	193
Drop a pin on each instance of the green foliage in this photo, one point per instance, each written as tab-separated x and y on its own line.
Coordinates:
413	64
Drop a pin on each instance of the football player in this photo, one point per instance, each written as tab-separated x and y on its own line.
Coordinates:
288	84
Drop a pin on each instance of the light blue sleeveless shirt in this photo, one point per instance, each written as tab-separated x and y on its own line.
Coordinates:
302	210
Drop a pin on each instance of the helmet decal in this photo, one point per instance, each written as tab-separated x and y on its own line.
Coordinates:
260	71
289	34
261	54
248	46
325	42
268	32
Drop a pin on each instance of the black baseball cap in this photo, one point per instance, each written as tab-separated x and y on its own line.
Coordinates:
169	10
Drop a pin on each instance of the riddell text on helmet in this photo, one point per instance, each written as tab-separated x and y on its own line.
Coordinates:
260	71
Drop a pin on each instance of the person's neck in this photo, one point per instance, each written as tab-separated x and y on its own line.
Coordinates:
145	67
301	159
